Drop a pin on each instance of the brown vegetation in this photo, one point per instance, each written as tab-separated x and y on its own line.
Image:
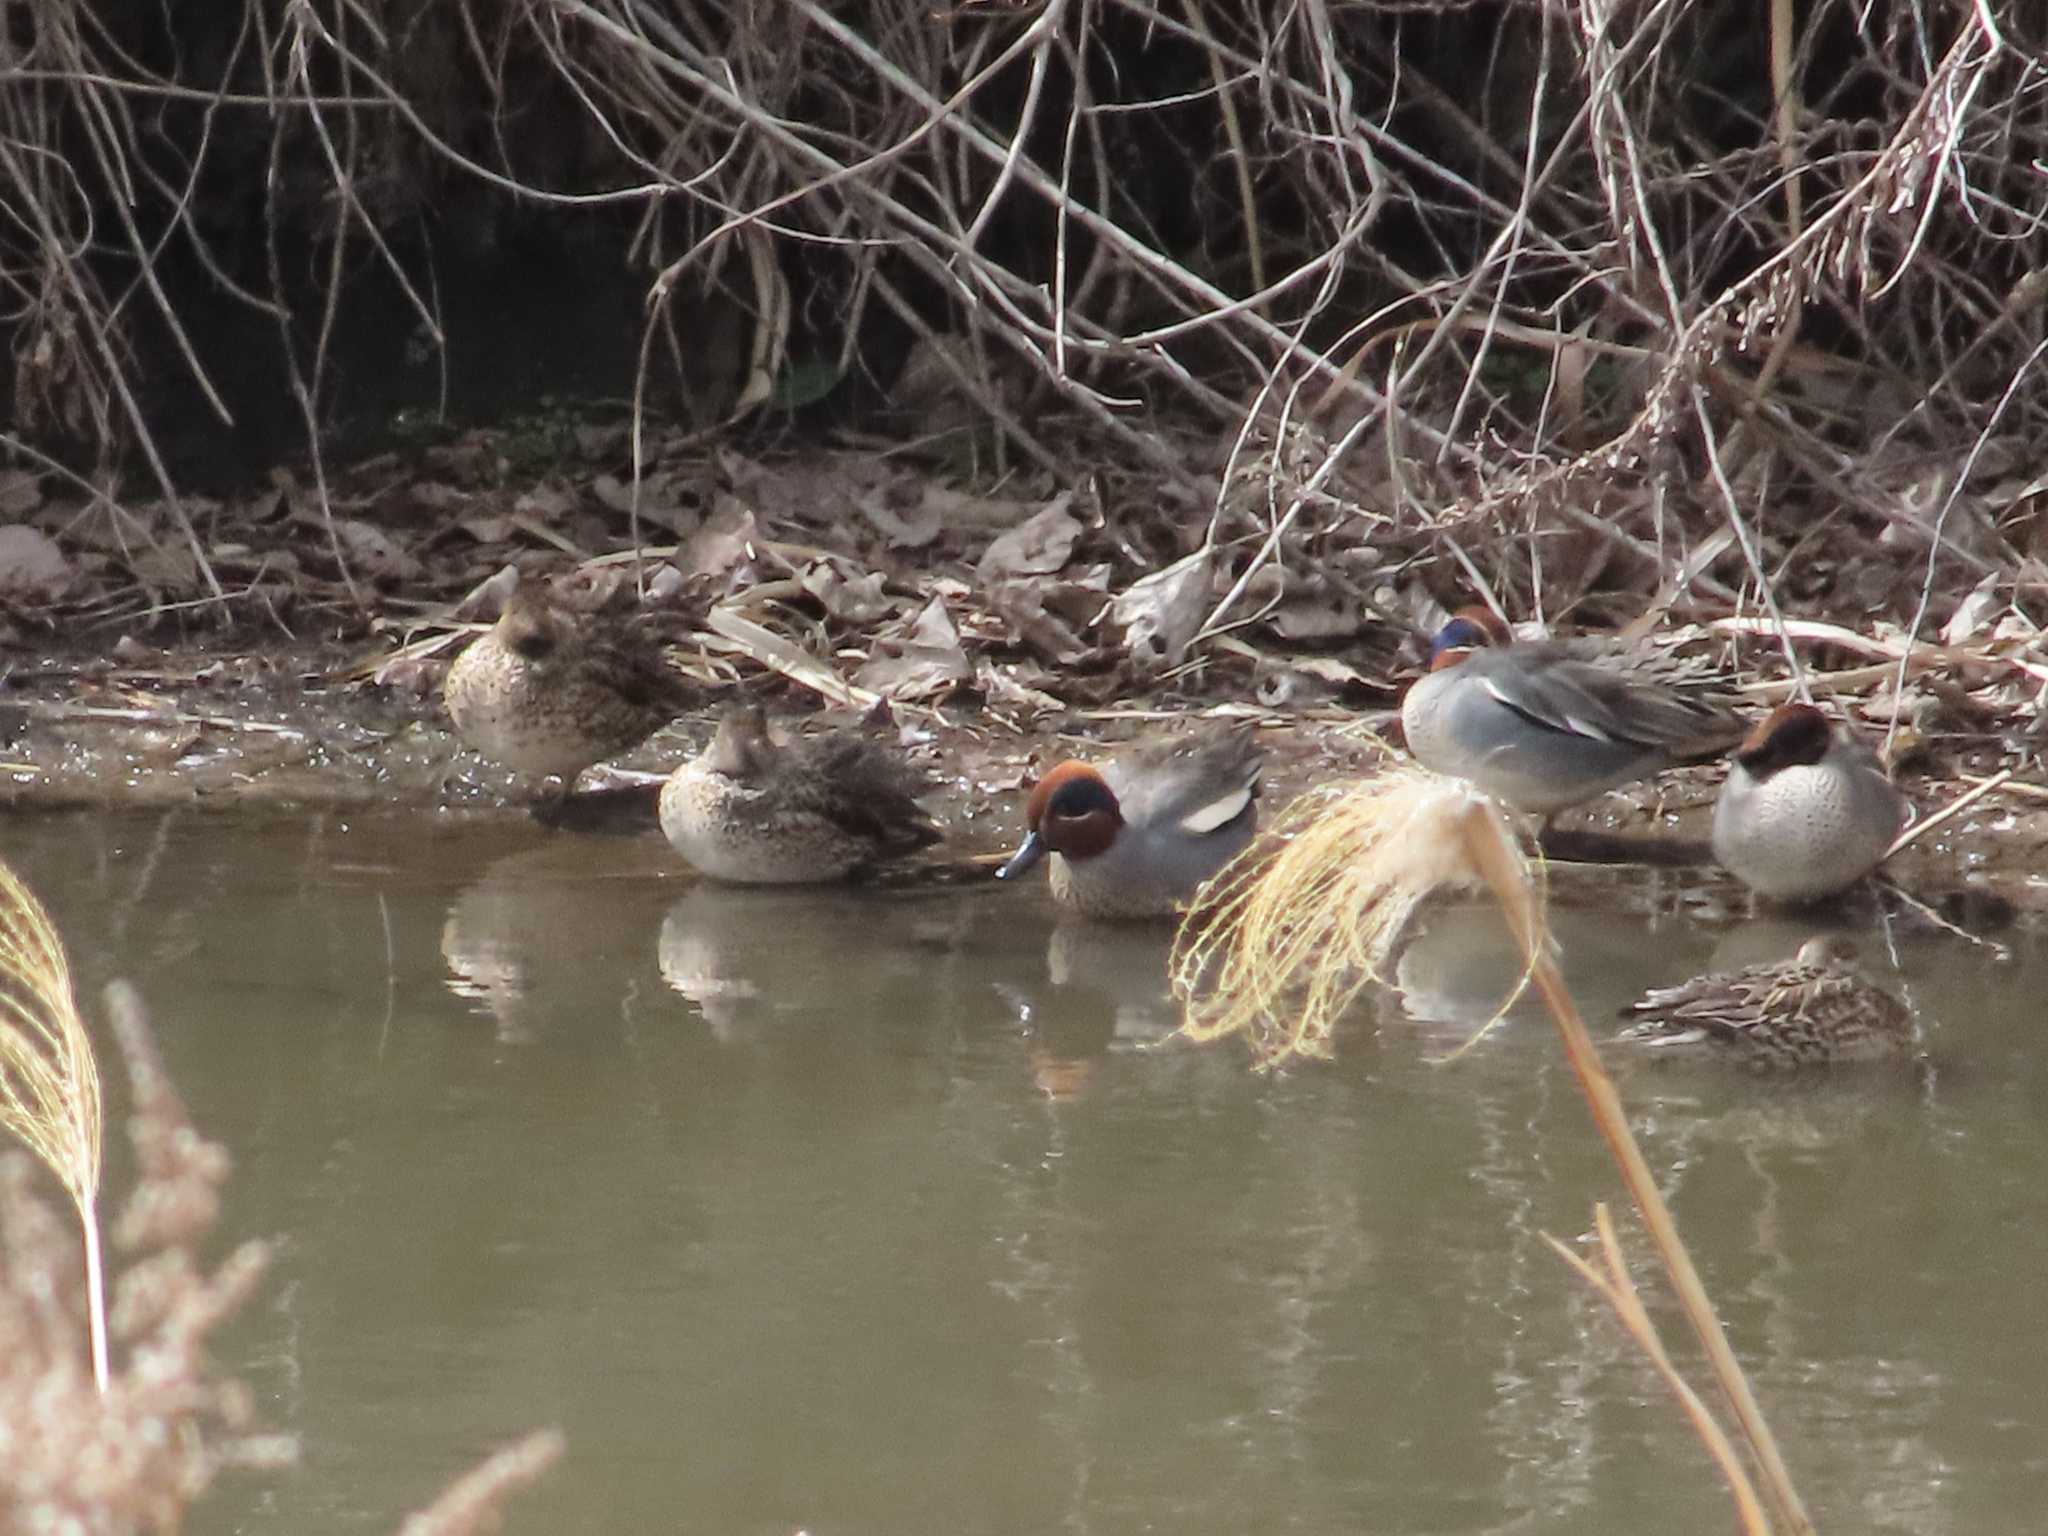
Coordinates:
1278	326
1558	301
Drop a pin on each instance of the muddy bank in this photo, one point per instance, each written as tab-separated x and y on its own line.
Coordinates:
299	728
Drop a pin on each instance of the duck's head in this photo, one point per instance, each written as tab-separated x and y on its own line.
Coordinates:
1072	811
1469	630
1790	736
529	626
1826	949
742	749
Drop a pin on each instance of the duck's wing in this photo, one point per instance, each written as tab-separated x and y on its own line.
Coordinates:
1615	700
860	786
1731	1006
625	661
1841	1004
1197	785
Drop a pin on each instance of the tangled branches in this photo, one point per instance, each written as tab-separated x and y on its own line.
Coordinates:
1563	292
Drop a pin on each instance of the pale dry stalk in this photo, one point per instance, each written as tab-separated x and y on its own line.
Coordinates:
1497	858
1619	1291
474	1503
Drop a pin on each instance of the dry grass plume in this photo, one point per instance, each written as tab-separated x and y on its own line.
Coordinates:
1279	944
49	1078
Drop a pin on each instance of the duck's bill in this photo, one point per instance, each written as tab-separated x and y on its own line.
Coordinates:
1022	860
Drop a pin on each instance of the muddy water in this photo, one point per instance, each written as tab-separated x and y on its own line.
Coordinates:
892	1214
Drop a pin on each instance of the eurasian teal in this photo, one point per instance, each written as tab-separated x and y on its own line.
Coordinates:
1812	1009
1137	838
1543	725
1806	810
818	809
546	692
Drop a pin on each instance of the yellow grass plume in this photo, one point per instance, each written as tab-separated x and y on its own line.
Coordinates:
1279	944
49	1080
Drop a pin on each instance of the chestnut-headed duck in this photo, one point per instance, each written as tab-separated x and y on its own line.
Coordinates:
1806	810
1137	837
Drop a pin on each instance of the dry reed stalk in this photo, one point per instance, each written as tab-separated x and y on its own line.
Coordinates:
1277	947
1496	857
49	1078
138	1455
1619	1291
474	1503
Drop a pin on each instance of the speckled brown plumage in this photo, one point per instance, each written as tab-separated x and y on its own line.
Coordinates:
817	809
1810	1010
548	692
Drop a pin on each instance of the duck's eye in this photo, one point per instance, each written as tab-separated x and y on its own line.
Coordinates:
1080	797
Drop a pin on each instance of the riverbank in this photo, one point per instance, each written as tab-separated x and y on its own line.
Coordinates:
211	729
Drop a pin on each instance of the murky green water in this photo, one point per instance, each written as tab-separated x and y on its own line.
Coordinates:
888	1214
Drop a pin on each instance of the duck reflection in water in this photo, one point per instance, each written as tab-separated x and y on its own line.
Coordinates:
1461	967
1100	989
752	960
539	936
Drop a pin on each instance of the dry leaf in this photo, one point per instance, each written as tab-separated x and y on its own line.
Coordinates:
1976	613
965	511
486	530
615	493
436	496
929	660
660	504
546	503
913	531
1021	605
1160	614
1038	546
1314	608
1007	686
370	550
725	540
32	567
166	568
849	599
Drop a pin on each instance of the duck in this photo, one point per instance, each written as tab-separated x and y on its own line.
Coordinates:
548	693
1813	1009
1544	725
1806	810
750	811
1137	838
